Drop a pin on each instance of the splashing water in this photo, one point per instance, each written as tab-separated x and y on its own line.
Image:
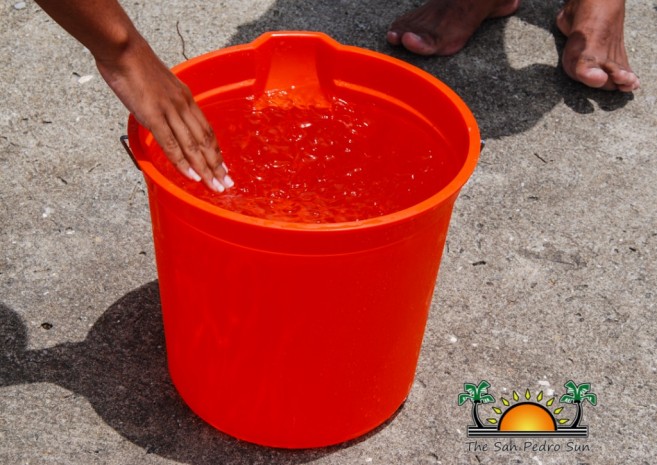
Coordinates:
349	161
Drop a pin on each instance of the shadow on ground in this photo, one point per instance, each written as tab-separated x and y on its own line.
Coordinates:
120	368
504	100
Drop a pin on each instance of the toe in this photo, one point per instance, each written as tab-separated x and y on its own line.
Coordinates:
563	24
588	71
394	38
593	77
417	44
624	80
627	88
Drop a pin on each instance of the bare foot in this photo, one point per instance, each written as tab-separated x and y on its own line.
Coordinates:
595	49
443	27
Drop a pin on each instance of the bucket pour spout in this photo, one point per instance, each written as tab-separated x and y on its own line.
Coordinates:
295	68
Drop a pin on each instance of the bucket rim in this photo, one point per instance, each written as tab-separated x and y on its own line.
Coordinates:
434	201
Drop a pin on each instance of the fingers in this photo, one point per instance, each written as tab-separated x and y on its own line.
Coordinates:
172	150
203	132
189	142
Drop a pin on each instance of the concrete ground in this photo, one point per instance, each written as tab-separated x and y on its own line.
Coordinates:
549	272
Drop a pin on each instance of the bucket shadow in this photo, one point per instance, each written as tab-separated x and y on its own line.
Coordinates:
120	368
505	100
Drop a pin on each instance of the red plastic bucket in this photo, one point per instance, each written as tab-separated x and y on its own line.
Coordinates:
296	334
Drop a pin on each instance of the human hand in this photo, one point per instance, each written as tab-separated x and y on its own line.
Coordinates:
164	105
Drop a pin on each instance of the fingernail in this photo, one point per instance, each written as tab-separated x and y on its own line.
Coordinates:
193	174
228	182
224	166
217	185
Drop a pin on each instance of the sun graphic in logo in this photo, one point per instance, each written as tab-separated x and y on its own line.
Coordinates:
527	417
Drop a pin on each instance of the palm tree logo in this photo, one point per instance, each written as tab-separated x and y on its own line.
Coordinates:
526	415
477	394
577	394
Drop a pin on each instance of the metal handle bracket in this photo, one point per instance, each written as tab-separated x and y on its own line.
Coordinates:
126	146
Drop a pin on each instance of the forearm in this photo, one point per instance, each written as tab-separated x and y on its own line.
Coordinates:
100	25
147	88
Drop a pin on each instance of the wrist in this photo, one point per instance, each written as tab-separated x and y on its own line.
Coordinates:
121	45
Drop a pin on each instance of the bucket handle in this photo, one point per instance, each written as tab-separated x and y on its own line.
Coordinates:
124	142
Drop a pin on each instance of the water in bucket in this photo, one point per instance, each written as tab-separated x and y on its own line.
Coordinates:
347	161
